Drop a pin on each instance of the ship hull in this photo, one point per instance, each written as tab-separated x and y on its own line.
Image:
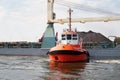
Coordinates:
101	54
23	51
68	56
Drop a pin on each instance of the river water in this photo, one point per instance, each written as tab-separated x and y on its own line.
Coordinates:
40	68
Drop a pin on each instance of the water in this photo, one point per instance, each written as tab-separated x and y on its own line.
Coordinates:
40	68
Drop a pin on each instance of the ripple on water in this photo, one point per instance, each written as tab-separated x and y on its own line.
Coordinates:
40	68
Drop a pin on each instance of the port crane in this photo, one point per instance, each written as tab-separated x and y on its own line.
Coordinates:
49	33
51	17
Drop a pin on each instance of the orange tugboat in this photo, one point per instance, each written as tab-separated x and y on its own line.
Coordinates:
70	49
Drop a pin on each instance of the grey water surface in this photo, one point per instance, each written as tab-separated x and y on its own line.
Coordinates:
40	68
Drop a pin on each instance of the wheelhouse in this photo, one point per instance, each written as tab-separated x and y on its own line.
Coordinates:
69	38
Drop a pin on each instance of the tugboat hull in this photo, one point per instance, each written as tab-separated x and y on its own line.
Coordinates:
68	56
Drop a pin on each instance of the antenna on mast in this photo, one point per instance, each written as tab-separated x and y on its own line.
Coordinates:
70	18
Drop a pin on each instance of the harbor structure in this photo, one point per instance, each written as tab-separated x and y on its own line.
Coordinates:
26	48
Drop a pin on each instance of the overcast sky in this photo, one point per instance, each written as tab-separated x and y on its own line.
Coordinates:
26	20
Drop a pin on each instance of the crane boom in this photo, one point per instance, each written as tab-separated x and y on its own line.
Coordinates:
90	19
51	16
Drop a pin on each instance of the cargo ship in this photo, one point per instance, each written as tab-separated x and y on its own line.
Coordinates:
101	50
96	48
22	48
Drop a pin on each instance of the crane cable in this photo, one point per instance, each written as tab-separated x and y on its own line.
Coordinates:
84	7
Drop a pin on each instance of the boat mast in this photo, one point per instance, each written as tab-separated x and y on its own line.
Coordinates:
70	18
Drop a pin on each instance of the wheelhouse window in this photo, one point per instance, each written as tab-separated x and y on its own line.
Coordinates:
63	37
74	36
68	37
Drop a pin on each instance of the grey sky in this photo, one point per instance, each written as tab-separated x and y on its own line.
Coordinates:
26	20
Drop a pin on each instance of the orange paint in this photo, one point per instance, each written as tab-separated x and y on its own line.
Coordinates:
70	49
67	53
68	58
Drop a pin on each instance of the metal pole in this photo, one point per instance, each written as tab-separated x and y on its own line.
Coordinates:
50	13
70	18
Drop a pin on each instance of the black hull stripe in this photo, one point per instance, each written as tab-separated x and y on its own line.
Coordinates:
67	52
